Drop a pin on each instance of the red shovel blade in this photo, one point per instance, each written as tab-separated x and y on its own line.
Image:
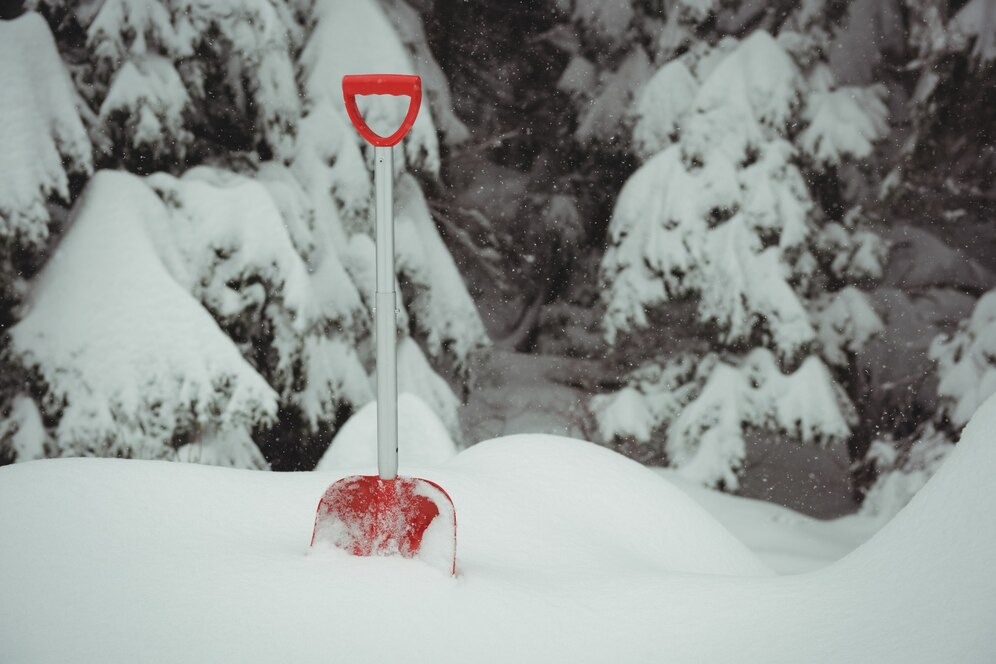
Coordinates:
369	516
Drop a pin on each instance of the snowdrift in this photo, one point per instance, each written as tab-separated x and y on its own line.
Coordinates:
567	552
422	438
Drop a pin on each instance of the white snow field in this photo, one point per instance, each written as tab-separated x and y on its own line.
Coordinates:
566	552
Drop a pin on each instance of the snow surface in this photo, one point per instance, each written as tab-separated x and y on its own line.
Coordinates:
566	552
422	438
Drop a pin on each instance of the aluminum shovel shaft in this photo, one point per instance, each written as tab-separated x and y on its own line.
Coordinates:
385	321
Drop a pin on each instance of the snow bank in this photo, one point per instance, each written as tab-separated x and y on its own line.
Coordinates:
558	540
422	439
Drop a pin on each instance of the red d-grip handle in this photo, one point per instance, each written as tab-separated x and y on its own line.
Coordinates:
399	85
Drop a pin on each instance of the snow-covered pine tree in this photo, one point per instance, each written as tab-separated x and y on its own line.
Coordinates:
123	360
609	63
441	311
264	258
966	378
954	51
44	144
953	48
165	79
721	214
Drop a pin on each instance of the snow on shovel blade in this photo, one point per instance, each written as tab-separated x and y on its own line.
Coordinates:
406	516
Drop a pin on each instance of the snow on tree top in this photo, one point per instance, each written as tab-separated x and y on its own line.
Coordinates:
254	36
757	76
579	77
609	20
977	21
123	28
41	133
661	106
357	37
696	11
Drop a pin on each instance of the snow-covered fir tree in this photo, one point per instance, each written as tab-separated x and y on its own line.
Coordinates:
215	305
966	378
44	146
953	52
723	214
953	47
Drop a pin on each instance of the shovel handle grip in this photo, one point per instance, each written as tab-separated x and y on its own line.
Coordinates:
398	85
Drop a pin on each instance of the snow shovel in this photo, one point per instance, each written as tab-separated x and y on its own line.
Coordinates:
384	514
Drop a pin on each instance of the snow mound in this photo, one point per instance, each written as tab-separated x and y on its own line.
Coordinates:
556	539
422	438
567	506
